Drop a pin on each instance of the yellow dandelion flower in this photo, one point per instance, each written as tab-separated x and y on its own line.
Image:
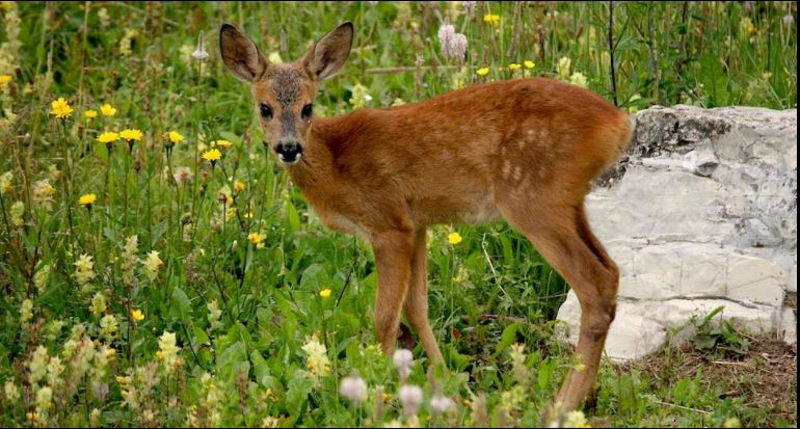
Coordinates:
325	293
131	134
108	137
60	108
514	66
107	110
483	71
212	155
90	114
4	79
239	186
255	237
492	19
221	143
454	238
529	64
87	199
137	315
175	137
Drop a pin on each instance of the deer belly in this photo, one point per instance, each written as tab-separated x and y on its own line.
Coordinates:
344	224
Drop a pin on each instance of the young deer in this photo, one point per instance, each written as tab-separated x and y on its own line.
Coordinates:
524	150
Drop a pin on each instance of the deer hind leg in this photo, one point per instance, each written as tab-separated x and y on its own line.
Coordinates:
561	233
393	252
416	307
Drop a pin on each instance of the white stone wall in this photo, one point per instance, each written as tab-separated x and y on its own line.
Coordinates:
701	213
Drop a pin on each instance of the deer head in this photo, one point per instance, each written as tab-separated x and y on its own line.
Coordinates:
284	93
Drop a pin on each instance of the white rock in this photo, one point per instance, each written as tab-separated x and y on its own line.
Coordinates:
787	328
701	213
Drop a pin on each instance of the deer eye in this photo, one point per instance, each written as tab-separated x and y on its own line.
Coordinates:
266	111
308	109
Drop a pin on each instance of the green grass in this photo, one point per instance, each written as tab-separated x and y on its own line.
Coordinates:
488	292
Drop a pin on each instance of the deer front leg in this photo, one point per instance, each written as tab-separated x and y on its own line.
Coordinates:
393	252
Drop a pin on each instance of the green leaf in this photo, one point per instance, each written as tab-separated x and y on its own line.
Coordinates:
508	337
297	392
182	307
232	360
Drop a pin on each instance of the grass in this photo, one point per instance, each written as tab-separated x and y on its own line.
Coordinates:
244	315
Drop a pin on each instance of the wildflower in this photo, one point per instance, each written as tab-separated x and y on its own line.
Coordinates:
54	370
746	26
511	399
87	200
255	238
212	156
43	193
104	18
732	422
175	137
787	21
441	403
200	53
576	419
402	361
84	269
529	64
4	79
44	398
109	326
167	349
317	359
38	364
60	108
214	314
563	67
90	114
16	211
514	67
492	19
5	183
221	143
239	186
26	311
325	293
126	41
107	110
11	391
94	417
469	7
129	259
275	58
131	134
41	277
152	264
360	96
578	78
108	137
452	44
182	175
353	388
454	238
137	315
483	71
411	398
98	306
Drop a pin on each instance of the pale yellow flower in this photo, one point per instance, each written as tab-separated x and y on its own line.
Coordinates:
529	64
90	114
137	315
221	143
514	66
492	19
84	269
317	360
239	186
152	264
255	237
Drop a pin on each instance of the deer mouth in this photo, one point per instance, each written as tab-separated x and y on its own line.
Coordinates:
290	159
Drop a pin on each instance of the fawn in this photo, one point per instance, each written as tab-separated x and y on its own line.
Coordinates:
523	150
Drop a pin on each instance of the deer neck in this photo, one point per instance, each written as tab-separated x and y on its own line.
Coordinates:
316	171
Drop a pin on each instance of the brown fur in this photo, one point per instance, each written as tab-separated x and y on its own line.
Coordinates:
521	150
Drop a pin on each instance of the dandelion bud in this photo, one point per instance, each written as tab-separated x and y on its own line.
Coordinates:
353	388
411	398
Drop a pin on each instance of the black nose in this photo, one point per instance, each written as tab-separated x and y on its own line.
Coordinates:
289	152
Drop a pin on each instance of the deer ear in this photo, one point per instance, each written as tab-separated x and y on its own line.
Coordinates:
325	58
240	54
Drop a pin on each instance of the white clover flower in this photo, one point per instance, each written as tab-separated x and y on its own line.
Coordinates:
441	404
402	361
354	388
411	398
